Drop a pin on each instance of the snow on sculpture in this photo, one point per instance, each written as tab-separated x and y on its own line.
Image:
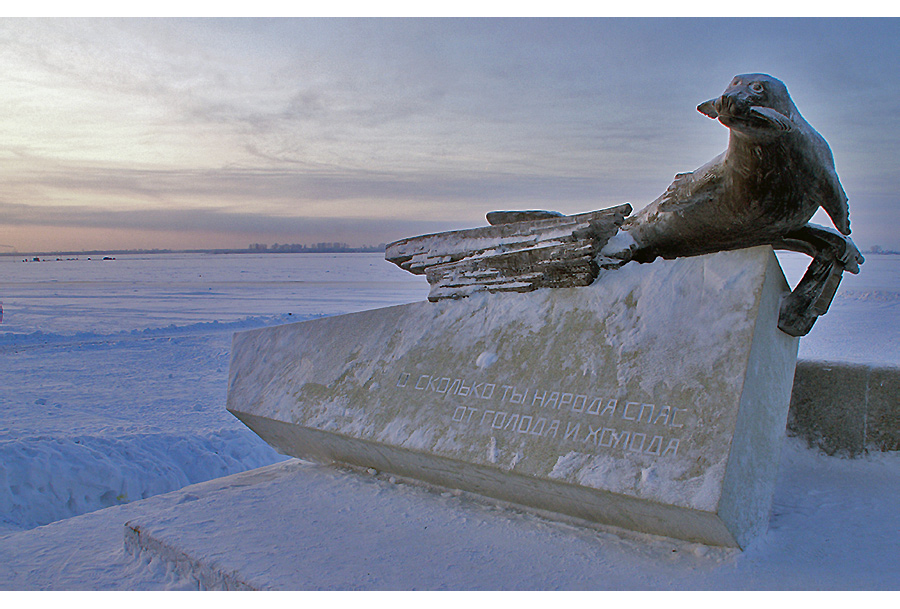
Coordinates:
763	190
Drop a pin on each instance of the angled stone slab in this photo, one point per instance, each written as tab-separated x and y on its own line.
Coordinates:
654	399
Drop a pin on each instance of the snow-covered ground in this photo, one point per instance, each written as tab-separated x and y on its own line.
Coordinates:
834	526
113	374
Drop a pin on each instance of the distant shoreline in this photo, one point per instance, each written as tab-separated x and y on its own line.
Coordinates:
347	250
305	250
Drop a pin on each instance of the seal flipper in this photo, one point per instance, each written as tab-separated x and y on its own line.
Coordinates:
830	195
832	254
773	117
835	205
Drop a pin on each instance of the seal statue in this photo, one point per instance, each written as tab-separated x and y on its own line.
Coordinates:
775	174
763	190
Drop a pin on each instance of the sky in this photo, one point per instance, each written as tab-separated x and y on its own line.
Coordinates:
218	133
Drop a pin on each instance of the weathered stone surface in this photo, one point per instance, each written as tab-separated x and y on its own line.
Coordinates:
825	408
883	409
520	252
654	399
508	217
846	408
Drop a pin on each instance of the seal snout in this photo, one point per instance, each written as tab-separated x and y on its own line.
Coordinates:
733	104
730	108
725	107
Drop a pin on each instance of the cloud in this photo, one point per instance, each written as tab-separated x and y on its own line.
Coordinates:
307	122
285	194
240	228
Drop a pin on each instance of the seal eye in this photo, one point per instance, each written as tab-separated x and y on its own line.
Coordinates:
757	87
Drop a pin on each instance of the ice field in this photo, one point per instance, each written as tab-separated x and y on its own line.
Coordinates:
113	374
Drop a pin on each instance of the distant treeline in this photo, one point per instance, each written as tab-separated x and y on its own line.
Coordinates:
877	249
325	247
255	248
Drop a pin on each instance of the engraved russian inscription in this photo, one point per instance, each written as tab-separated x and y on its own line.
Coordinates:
579	420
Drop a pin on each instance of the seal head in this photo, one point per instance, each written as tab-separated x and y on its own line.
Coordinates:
756	105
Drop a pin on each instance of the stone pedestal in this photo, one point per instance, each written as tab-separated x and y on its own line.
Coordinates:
654	399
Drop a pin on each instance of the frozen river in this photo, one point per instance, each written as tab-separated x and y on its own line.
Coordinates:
136	292
150	292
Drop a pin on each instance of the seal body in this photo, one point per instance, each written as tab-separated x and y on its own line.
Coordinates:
775	174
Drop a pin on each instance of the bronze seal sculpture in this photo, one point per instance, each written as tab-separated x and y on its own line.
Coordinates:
763	190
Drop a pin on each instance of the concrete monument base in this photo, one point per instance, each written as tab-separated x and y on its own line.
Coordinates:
654	399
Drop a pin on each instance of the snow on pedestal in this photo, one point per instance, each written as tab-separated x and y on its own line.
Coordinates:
654	399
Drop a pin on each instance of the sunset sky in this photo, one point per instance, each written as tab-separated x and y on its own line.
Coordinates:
184	133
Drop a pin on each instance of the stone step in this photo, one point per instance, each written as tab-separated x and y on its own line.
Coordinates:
846	408
302	526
